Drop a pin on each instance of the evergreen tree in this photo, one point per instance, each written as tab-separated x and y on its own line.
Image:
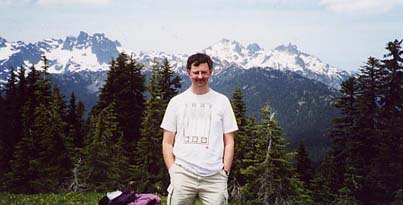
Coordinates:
75	123
71	122
239	108
32	98
43	139
125	87
303	166
242	146
22	97
44	84
81	124
54	157
76	130
24	171
276	181
3	161
169	83
11	123
369	82
390	145
16	94
367	138
344	132
150	169
103	161
19	180
248	165
324	185
363	146
22	87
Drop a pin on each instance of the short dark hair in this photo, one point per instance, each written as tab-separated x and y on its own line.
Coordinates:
198	59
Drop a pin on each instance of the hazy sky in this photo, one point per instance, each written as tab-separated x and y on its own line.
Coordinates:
343	33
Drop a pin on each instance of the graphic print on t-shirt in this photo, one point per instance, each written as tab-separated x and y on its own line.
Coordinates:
197	121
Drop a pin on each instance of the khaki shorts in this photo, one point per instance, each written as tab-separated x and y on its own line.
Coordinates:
185	186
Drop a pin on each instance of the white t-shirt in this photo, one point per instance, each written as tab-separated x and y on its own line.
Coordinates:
199	122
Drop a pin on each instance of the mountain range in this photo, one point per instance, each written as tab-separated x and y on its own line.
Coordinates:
92	53
300	87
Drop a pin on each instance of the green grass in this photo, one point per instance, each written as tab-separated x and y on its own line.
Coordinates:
50	199
56	199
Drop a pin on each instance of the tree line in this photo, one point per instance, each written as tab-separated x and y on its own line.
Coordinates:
48	146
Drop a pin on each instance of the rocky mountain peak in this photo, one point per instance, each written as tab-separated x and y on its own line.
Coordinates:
290	48
227	46
83	40
253	47
86	52
2	42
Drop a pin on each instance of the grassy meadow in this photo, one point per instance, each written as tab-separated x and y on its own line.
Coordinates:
50	199
56	199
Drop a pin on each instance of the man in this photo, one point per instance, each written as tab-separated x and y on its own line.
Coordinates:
198	139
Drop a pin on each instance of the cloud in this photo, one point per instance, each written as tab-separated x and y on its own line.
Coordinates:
73	2
16	2
361	6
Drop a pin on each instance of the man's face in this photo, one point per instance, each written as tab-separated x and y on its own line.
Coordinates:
199	74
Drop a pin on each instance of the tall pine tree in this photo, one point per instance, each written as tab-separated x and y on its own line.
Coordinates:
150	165
3	161
25	169
11	124
390	144
168	81
341	133
243	146
75	126
125	88
150	169
276	182
40	162
104	163
367	140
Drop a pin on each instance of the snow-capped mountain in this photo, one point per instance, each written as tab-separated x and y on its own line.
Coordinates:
93	53
284	57
289	78
73	54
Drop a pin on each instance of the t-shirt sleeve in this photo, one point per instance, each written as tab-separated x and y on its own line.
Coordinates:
229	120
169	120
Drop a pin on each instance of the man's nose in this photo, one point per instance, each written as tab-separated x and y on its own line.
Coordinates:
199	75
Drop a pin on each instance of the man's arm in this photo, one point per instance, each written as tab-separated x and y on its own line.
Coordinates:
228	150
167	148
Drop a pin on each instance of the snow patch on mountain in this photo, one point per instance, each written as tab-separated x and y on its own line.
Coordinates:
228	53
73	54
93	53
177	62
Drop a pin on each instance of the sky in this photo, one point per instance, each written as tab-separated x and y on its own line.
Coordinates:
342	33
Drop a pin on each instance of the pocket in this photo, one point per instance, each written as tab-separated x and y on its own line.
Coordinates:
224	173
170	188
225	202
170	193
